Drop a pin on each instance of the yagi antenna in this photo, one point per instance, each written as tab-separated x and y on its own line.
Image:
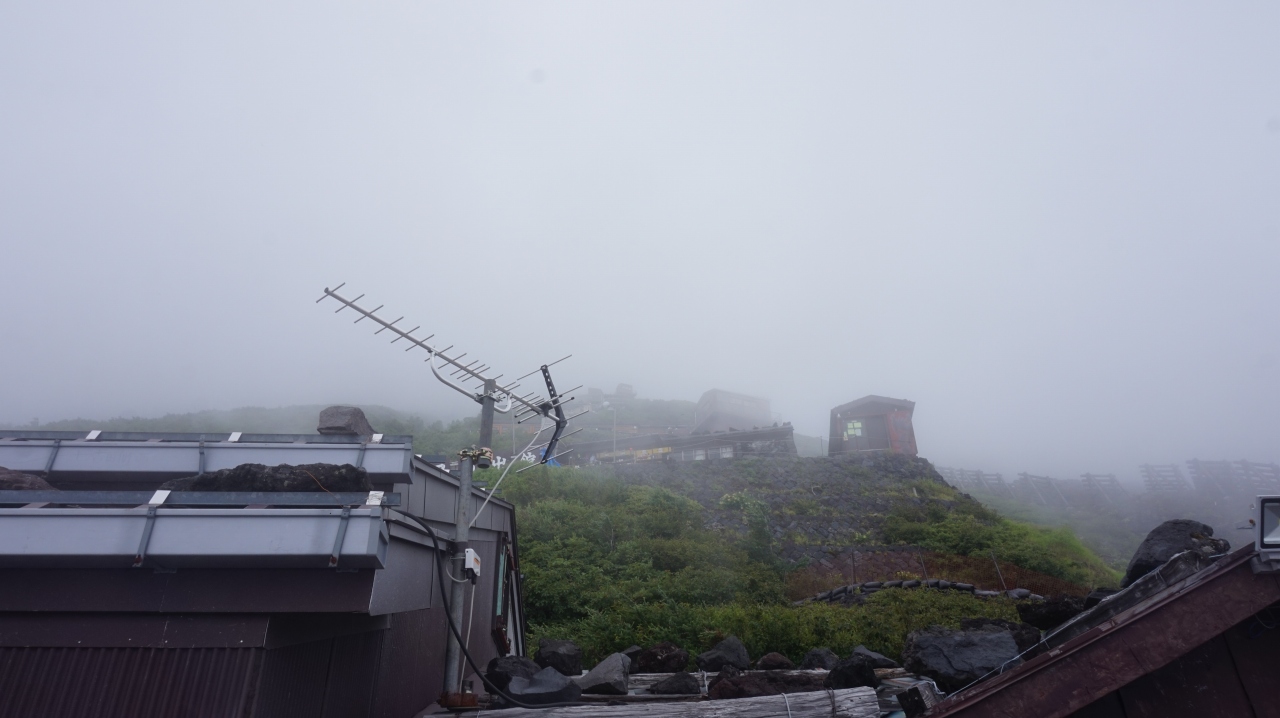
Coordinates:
504	398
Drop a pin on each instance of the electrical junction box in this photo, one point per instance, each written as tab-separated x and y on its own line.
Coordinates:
471	562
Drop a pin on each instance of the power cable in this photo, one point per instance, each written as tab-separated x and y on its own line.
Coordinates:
456	634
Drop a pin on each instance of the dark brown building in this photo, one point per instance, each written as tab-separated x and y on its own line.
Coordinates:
873	423
1184	640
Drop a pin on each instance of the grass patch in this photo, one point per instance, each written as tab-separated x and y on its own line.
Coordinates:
882	624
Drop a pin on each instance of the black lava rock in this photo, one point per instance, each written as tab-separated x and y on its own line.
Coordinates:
546	686
257	477
633	653
502	669
609	677
564	656
877	660
11	480
823	658
774	662
1024	635
1170	538
1052	612
666	657
729	652
954	659
679	683
853	672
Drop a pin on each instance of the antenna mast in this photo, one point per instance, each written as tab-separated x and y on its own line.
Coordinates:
492	397
450	369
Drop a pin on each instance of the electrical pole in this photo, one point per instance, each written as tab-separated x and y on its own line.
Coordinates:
457	599
486	413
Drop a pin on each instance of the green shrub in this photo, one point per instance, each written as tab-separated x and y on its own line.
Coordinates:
881	624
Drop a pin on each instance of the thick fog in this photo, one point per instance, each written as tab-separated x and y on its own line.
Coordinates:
1055	229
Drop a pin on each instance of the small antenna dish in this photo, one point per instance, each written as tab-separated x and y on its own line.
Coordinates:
453	372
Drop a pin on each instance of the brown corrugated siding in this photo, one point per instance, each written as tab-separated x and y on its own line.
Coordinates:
412	661
135	682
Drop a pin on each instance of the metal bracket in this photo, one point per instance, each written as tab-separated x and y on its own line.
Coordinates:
342	534
53	454
156	499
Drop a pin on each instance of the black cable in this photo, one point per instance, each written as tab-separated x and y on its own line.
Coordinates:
461	644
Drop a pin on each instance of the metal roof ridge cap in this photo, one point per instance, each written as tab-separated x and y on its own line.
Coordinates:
1135	612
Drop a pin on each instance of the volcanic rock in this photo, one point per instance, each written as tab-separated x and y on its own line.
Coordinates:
1170	538
1024	634
729	652
11	480
764	683
348	420
855	671
546	686
678	683
257	477
502	669
633	653
1051	613
774	662
823	658
877	660
666	657
609	677
564	656
954	659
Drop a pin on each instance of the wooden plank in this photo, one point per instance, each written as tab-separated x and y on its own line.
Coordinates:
1201	683
844	703
1254	649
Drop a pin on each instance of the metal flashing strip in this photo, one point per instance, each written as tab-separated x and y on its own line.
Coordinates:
220	499
156	499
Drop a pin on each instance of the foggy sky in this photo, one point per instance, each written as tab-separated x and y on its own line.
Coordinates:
1055	229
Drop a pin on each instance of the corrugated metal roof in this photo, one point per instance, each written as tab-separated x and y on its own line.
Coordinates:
135	682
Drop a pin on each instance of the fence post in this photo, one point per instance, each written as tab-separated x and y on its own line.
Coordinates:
1003	585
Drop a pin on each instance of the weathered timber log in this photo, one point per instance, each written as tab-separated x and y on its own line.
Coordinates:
847	703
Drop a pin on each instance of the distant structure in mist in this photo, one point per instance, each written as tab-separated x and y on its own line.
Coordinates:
1211	482
720	410
873	423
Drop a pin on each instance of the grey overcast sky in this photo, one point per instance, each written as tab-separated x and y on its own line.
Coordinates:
1055	226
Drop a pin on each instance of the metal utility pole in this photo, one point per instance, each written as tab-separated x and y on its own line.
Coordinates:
457	587
486	413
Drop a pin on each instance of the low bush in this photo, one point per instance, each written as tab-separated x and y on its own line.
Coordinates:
881	624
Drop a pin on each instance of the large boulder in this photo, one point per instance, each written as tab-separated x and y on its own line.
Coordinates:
348	420
1025	635
666	657
502	669
774	662
1052	612
678	683
609	677
853	672
954	659
257	477
564	656
546	686
11	480
729	652
819	658
1167	540
878	660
